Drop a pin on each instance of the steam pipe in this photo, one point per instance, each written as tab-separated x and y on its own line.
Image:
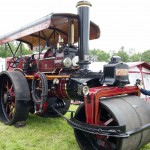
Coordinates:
83	33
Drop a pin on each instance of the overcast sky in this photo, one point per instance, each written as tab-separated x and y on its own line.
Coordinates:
122	22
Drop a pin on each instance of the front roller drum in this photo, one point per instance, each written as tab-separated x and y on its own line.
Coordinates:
14	97
124	110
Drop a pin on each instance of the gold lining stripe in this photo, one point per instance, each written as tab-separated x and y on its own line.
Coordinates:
49	77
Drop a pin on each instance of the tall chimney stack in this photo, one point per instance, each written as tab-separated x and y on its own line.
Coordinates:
83	32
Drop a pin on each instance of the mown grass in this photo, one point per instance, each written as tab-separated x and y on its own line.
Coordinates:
40	134
146	147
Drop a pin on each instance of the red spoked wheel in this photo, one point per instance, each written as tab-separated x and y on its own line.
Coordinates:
8	100
39	92
92	141
14	97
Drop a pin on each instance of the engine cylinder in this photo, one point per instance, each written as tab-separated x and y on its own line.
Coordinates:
68	89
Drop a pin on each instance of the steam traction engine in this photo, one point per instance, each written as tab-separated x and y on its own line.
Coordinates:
111	117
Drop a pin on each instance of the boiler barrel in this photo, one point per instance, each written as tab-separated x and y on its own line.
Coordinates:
133	112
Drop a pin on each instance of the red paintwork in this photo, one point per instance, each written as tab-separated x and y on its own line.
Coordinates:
95	94
44	108
60	90
143	64
46	65
48	62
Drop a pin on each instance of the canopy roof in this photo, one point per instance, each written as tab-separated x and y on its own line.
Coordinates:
48	29
140	63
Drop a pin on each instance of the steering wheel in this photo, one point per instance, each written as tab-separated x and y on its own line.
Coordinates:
14	62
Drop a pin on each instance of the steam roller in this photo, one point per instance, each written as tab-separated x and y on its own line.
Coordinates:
112	115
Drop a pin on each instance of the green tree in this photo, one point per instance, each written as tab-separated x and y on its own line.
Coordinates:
23	49
135	57
146	56
93	52
26	50
6	52
100	54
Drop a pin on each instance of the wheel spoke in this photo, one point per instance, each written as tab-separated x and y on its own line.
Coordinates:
9	98
11	88
7	108
12	107
108	121
6	85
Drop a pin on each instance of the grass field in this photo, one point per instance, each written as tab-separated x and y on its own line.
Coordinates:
40	134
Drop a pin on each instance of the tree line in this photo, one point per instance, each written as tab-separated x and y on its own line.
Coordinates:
100	55
126	57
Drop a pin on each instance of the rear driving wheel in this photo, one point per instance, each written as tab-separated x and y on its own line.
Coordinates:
92	141
12	109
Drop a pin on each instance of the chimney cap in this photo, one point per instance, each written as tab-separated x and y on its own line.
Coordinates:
83	4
